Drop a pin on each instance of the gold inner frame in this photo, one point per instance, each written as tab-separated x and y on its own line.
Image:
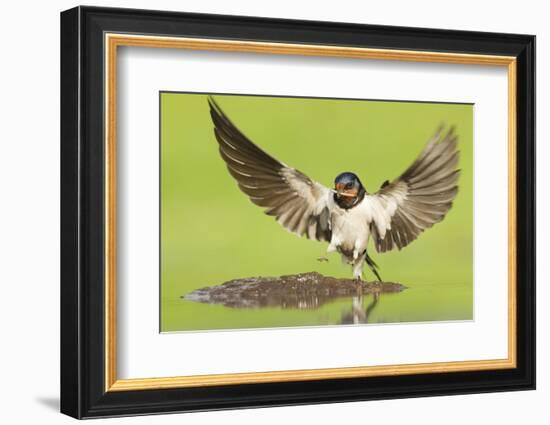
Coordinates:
113	41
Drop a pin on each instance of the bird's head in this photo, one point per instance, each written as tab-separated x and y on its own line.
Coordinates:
348	190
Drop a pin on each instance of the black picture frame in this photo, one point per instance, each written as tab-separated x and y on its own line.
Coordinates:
83	392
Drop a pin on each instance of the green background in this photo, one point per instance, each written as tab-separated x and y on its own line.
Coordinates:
212	233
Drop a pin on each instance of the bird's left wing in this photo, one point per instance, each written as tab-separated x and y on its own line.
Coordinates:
298	203
419	198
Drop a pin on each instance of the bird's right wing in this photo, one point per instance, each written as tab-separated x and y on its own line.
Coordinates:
299	204
419	198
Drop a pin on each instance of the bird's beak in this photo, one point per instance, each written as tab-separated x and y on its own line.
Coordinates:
340	191
349	195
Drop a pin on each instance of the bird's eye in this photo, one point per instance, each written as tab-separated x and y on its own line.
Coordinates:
348	185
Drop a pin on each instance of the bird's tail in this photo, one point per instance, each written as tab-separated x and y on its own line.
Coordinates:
373	266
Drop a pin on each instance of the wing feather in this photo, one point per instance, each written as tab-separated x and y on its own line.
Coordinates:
419	198
297	202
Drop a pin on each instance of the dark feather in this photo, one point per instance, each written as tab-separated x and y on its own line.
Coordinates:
424	193
287	194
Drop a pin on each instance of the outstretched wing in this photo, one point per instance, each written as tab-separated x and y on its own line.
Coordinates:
298	203
419	198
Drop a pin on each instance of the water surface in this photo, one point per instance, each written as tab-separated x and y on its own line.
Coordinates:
417	303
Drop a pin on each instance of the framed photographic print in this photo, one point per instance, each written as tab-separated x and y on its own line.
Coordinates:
261	212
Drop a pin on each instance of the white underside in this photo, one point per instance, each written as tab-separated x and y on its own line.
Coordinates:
350	235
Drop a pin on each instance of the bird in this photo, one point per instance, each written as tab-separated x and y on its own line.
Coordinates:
345	216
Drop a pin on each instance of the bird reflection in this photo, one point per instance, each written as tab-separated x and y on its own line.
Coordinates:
300	292
357	314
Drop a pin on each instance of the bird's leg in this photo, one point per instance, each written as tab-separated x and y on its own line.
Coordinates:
358	268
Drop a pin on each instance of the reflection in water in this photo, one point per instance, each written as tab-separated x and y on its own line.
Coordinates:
357	313
275	304
303	292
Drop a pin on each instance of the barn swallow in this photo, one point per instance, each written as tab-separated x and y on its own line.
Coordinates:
345	216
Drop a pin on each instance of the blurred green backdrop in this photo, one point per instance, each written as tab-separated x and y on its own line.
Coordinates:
212	233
